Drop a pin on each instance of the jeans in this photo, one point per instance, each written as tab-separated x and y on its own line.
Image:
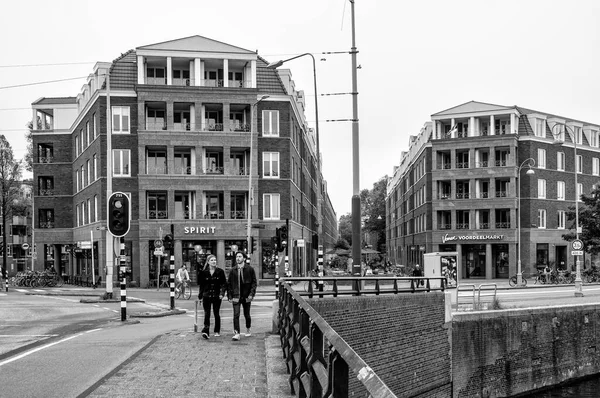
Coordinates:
216	305
236	314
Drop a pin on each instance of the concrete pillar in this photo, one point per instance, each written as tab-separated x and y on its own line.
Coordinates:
513	123
34	119
141	70
471	126
227	204
226	122
253	73
197	75
489	264
225	72
192	117
178	252
202	78
459	262
492	130
434	129
192	70
170	113
169	71
142	115
221	253
170	161
452	124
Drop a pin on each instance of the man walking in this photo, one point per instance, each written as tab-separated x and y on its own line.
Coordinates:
241	290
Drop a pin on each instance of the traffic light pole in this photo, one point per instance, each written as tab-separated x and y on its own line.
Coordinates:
123	275
109	238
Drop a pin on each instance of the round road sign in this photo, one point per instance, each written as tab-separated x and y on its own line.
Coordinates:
158	243
25	246
577	244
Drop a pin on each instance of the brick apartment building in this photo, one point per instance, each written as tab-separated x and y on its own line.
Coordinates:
455	189
184	113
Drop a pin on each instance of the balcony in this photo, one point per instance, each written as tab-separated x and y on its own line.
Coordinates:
503	225
462	165
482	164
501	194
464	195
156	125
483	195
444	226
484	225
462	226
215	215
182	82
46	224
182	126
215	170
158	214
238	215
46	159
46	192
500	163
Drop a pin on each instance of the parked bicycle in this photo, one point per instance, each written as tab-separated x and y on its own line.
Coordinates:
513	281
315	285
186	288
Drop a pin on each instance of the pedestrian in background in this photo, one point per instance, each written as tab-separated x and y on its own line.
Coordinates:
213	285
241	288
418	272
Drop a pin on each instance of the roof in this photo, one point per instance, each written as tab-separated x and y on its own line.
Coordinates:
196	43
267	79
474	106
55	100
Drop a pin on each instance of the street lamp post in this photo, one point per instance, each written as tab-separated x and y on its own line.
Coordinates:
249	205
530	162
578	281
277	64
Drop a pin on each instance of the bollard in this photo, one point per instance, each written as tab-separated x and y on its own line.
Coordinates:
276	275
287	267
6	279
320	267
172	280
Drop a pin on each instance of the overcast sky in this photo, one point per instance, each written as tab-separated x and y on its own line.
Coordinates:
417	58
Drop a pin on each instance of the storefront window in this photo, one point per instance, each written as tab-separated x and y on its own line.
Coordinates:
500	258
194	255
541	255
231	247
268	269
473	261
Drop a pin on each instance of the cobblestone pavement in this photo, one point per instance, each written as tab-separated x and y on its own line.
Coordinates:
183	364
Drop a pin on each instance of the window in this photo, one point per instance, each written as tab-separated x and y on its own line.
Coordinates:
578	135
94	125
541	189
541	218
579	164
594	138
270	123
78	215
77	145
214	205
238	205
46	218
156	160
541	158
595	166
184	205
95	207
560	190
82	140
579	191
271	206
83	180
540	126
95	167
87	133
89	211
120	116
561	219
157	205
45	187
121	163
271	164
77	181
560	161
89	172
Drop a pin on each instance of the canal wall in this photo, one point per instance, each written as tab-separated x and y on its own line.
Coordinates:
508	352
404	338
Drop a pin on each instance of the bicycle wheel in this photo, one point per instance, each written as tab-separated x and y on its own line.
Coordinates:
59	281
177	292
188	291
513	281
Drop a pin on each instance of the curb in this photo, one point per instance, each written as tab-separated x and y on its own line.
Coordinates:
92	301
157	314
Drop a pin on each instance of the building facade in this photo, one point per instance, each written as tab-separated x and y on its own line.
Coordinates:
463	184
200	129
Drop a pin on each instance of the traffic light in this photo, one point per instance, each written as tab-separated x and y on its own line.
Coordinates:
276	240
168	242
119	216
283	236
315	241
254	243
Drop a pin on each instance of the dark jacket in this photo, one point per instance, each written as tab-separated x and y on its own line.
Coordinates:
212	286
245	289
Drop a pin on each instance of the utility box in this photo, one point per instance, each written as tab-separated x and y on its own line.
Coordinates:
440	265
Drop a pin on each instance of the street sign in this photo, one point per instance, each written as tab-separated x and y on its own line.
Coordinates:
158	243
258	226
577	244
25	246
577	252
84	244
300	243
159	251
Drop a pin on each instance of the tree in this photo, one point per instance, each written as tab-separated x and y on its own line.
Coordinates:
345	226
28	159
589	221
373	210
10	175
342	244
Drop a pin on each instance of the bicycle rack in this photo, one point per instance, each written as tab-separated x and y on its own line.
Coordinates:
468	287
493	295
477	292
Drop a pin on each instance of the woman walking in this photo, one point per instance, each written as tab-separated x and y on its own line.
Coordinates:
213	286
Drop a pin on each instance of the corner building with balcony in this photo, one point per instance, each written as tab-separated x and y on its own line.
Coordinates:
184	113
458	186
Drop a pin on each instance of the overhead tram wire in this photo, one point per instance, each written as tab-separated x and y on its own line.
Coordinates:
46	82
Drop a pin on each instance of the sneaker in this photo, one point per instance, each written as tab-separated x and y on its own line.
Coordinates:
217	335
205	335
236	336
248	334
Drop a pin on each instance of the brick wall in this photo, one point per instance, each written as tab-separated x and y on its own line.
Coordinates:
401	337
503	353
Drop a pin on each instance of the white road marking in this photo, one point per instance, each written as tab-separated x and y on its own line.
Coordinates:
44	347
28	335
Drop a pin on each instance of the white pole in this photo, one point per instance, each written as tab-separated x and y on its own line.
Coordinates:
92	242
109	238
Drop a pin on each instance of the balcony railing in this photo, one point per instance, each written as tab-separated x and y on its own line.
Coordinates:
46	192
212	83
503	225
183	170
462	165
214	126
45	159
484	225
153	125
240	127
183	82
215	215
445	226
46	224
238	214
464	195
157	214
243	171
215	170
182	126
445	196
157	81
501	194
462	226
500	162
481	164
483	195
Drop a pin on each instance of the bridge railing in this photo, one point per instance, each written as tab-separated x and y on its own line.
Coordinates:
319	361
